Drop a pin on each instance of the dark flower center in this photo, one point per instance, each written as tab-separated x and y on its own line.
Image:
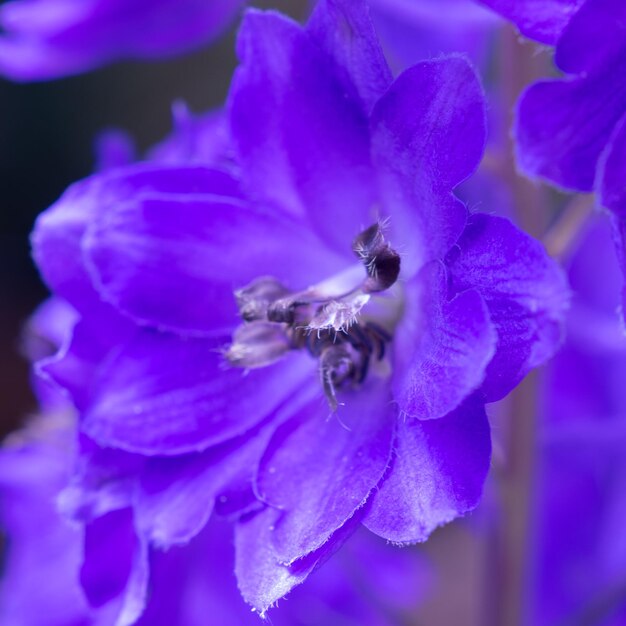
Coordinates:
327	319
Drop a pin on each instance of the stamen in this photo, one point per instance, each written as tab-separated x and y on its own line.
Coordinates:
254	299
324	319
381	261
336	366
257	344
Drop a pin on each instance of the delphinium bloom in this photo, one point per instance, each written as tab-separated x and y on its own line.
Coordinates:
303	336
581	487
46	39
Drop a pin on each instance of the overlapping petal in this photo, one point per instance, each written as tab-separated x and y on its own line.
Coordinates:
164	395
76	364
611	180
319	468
428	135
526	293
310	155
593	38
177	495
174	261
446	346
58	233
344	30
437	474
118	586
262	580
563	143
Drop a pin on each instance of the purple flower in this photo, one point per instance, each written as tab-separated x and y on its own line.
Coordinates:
574	145
46	39
303	332
581	482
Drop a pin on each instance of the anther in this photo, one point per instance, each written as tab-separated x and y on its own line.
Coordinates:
381	261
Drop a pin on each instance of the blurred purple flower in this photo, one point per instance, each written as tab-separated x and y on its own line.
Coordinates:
576	144
46	39
581	483
579	143
42	553
303	335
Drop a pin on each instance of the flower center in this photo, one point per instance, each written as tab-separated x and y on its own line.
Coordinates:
345	322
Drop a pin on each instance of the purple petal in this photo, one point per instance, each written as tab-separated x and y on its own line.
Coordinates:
612	190
47	329
121	581
526	293
319	468
166	395
444	346
104	578
344	29
428	135
46	39
103	480
174	262
261	579
594	36
311	153
563	143
203	139
542	20
437	474
177	495
42	553
59	231
611	175
75	366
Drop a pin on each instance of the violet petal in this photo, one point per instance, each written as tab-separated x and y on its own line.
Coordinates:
311	153
444	346
526	293
319	468
174	261
563	143
437	474
261	578
164	395
594	36
542	20
344	29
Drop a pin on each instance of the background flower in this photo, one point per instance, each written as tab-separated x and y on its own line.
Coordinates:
580	479
46	39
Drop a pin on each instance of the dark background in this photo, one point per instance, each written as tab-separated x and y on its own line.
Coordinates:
47	133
